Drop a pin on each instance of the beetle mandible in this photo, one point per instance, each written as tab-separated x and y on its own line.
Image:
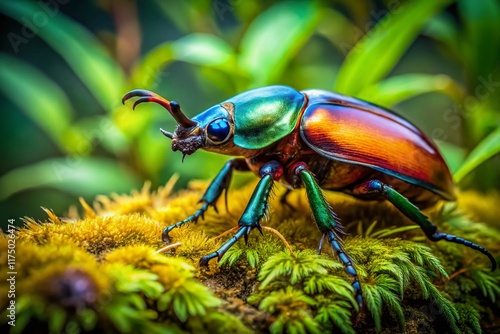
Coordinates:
314	139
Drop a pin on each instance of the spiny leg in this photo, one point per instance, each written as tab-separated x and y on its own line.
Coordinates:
327	224
219	184
376	188
255	210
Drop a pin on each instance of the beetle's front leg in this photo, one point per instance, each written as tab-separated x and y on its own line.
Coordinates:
327	222
255	210
219	184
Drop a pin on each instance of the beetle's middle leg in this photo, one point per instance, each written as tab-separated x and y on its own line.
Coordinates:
327	223
255	210
375	188
219	184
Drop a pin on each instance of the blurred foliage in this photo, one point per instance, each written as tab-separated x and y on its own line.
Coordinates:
65	67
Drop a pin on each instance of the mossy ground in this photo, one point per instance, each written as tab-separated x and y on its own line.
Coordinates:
99	271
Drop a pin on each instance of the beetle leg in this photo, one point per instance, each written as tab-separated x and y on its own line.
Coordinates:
327	223
255	210
219	184
375	188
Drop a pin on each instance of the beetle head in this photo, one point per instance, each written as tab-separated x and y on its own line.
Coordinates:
211	130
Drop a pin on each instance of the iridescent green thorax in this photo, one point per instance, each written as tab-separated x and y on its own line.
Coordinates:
265	115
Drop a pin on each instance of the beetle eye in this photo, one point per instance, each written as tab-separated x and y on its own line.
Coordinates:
218	131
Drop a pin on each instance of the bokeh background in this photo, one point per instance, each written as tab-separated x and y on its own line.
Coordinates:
64	66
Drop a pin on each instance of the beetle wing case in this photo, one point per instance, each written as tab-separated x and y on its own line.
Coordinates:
377	139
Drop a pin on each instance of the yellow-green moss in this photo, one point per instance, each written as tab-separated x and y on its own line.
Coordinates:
97	235
408	281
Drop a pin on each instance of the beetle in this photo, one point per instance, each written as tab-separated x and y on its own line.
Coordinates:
314	139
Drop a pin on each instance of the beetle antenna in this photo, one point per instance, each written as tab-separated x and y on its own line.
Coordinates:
173	107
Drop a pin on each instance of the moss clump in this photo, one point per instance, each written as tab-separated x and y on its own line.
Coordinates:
305	292
102	272
97	235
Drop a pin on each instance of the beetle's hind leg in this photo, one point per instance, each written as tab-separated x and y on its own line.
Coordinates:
219	184
376	188
327	223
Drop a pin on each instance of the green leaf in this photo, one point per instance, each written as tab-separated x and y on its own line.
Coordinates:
443	28
202	49
83	52
379	51
446	308
101	130
87	318
402	87
180	308
390	231
453	155
37	96
488	283
179	13
487	148
199	49
374	304
47	105
252	258
481	40
57	318
337	312
470	318
151	153
119	317
231	256
80	176
370	228
164	301
275	37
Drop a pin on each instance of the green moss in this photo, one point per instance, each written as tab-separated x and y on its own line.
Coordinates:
408	283
304	292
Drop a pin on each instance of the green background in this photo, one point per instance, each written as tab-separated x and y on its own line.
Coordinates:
64	66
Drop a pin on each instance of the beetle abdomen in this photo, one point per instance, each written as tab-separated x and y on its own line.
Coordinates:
345	177
379	140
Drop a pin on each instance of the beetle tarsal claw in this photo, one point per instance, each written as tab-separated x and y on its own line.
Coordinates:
259	228
245	236
320	247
